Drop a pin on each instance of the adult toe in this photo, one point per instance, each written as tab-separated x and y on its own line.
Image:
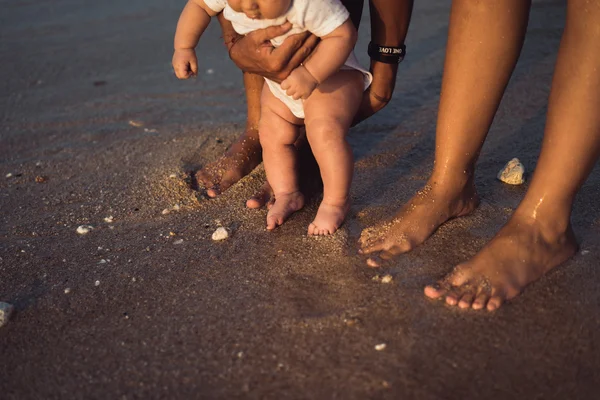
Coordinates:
494	303
481	300
466	300
436	290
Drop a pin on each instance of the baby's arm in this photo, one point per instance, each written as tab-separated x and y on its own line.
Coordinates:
193	21
328	57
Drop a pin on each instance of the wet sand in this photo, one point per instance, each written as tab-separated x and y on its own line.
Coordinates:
156	309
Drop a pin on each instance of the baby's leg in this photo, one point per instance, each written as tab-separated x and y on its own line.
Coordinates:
278	132
329	112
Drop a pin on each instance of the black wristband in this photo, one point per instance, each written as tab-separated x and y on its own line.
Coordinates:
386	54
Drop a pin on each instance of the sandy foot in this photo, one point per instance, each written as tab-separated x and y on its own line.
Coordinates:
329	218
264	197
239	160
416	221
521	253
284	206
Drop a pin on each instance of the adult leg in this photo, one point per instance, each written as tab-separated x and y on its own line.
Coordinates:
538	237
278	129
245	153
329	111
484	42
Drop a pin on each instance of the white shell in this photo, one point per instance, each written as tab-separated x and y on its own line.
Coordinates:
220	234
512	173
83	229
6	311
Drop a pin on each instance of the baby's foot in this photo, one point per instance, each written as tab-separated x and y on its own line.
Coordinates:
329	218
284	206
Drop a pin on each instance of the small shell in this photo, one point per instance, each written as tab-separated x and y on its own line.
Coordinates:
380	346
220	234
109	219
512	173
386	279
136	123
83	229
6	311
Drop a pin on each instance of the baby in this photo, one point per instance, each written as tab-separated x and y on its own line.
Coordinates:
323	93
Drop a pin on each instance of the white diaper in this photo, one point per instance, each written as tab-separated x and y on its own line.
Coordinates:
297	106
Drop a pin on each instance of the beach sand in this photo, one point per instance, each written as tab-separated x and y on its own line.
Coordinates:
95	125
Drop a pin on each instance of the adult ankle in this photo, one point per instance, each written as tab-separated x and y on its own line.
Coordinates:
553	223
451	184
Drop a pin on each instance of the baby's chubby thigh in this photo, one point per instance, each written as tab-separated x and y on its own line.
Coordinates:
277	123
334	103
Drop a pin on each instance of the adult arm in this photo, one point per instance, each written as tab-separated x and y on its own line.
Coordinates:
254	53
389	25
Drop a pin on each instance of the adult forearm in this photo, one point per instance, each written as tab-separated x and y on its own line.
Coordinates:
390	21
389	25
230	36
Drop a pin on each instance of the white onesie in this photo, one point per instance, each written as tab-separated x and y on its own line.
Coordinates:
320	17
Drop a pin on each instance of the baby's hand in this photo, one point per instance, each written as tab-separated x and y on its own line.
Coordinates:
185	63
300	84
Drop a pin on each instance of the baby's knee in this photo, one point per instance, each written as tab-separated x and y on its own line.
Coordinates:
325	129
266	136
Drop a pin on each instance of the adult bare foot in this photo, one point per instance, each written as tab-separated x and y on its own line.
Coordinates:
239	160
417	220
521	253
329	218
284	206
263	197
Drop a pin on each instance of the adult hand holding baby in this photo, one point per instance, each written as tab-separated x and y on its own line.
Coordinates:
254	52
